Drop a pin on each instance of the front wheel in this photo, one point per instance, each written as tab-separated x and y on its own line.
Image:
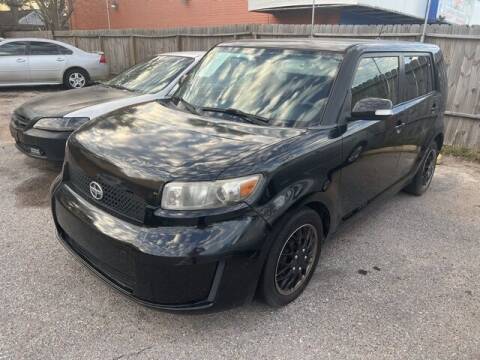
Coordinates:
293	257
423	178
75	79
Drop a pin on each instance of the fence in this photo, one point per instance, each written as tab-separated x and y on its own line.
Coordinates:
460	45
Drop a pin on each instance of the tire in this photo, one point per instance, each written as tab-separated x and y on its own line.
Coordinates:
275	289
76	79
423	178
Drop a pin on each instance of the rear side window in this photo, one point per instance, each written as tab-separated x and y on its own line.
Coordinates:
64	50
418	76
43	48
16	48
376	77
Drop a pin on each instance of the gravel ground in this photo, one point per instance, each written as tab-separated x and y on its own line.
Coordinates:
399	280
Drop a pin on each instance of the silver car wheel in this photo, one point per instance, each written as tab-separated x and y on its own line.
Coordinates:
77	80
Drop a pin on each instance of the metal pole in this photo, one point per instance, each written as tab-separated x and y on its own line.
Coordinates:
108	14
425	23
313	19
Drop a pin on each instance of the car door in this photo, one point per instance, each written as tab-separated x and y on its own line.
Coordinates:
14	63
421	103
370	146
46	62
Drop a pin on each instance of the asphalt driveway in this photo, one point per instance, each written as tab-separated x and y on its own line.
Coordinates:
399	280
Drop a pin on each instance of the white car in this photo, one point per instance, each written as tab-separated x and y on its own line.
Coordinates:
33	61
42	125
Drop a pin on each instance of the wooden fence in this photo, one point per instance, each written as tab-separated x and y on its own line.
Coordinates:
460	45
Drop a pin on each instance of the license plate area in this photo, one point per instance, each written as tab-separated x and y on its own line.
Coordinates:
35	151
116	264
110	257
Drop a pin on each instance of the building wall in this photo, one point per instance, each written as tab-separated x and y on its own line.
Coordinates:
92	14
89	14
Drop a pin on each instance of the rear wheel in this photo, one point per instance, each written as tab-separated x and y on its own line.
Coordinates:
423	178
293	257
75	79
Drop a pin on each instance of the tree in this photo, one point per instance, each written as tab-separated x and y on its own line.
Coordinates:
15	6
55	13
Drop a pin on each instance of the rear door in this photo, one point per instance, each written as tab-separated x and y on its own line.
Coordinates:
46	62
422	103
370	146
14	63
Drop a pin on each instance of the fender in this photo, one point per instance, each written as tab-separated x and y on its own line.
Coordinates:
304	193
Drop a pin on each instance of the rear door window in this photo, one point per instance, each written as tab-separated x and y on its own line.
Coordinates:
376	77
418	76
43	48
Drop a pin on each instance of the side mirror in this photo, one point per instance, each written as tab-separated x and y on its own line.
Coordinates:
182	78
372	109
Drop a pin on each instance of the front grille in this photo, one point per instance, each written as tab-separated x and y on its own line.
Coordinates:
116	198
19	121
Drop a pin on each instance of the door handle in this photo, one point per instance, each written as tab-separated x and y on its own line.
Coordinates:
20	60
60	59
399	126
434	107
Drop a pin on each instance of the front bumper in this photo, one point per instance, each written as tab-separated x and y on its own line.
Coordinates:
170	268
40	144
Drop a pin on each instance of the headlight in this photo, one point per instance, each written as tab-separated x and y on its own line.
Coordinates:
60	123
209	194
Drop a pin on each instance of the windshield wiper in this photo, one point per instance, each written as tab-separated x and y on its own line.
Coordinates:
186	104
251	118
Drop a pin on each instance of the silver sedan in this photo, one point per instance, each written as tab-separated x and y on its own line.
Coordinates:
33	61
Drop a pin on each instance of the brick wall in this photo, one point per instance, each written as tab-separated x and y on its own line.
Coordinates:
91	14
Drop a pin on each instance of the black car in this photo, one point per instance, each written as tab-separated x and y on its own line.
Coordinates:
42	125
230	188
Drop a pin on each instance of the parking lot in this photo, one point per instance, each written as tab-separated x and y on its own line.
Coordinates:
399	280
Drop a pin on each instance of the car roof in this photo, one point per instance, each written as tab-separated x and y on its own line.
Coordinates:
333	44
192	54
39	39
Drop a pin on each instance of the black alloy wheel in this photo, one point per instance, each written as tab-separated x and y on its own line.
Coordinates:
296	242
423	178
429	167
296	259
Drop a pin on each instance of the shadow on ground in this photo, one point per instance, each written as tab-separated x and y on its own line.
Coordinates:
34	191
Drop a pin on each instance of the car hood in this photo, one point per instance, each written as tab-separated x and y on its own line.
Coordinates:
61	103
103	108
150	142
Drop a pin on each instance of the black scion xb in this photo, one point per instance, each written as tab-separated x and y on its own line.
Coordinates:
229	189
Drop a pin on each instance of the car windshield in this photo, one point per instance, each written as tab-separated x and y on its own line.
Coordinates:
287	88
152	76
